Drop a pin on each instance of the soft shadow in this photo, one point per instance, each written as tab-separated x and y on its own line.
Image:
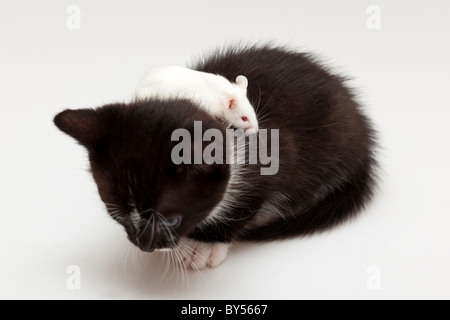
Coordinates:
125	272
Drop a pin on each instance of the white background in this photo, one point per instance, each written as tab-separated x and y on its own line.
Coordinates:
51	216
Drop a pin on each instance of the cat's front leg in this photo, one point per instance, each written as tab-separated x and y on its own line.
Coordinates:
207	246
199	255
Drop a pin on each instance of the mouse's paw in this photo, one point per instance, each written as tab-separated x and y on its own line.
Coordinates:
199	255
251	131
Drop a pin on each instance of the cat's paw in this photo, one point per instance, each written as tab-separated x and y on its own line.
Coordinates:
199	255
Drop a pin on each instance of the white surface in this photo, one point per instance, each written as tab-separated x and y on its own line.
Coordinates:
51	216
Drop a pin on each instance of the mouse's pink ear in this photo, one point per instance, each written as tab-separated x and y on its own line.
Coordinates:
242	81
231	103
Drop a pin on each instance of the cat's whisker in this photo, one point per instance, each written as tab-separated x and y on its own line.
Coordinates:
198	257
130	190
111	204
174	264
133	260
149	222
146	211
186	270
170	233
114	210
176	260
166	263
175	252
183	267
115	213
137	255
119	260
163	265
129	257
153	228
170	263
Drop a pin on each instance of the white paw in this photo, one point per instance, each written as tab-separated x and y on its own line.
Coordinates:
199	255
251	131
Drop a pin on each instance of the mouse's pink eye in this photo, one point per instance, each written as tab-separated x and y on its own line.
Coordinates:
244	118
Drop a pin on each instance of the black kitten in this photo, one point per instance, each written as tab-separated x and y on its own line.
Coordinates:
325	169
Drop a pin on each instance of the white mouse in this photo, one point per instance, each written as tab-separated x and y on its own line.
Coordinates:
213	93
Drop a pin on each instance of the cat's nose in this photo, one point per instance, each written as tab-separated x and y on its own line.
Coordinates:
146	244
147	247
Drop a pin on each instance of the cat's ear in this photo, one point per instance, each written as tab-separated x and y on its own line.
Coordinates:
84	125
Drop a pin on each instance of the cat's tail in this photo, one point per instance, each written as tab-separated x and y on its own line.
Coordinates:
342	204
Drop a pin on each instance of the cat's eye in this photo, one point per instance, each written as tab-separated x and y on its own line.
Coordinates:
171	222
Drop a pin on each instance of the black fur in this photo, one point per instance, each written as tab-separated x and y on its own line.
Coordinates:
326	169
327	164
129	151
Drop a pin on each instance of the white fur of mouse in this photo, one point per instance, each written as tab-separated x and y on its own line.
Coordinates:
214	94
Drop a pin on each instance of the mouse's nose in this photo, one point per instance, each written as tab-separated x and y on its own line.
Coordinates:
251	131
